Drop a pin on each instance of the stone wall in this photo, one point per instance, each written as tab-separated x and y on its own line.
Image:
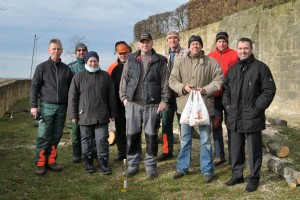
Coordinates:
11	91
275	33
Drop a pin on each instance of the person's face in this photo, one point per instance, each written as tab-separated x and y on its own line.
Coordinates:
173	42
55	51
93	62
195	47
244	49
123	56
145	46
221	44
80	53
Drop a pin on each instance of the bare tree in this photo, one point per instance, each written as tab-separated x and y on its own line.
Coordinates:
3	8
74	40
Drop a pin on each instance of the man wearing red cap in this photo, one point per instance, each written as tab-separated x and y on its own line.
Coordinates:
226	57
115	70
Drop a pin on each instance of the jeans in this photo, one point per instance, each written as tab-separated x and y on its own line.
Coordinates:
184	157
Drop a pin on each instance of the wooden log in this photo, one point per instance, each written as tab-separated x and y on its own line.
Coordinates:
274	164
274	147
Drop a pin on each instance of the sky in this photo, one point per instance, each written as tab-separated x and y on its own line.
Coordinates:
101	23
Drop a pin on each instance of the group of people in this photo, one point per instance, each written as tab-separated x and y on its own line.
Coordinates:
144	85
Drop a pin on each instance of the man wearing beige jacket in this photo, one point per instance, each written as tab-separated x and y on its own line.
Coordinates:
203	74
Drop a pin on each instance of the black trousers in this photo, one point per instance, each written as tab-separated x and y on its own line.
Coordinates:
254	143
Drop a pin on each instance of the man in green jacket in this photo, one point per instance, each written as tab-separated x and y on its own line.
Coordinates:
77	66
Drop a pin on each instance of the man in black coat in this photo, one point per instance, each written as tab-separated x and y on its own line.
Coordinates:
249	89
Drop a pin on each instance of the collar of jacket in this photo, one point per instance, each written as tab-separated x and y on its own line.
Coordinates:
137	56
54	61
224	51
248	60
119	62
80	60
177	50
198	55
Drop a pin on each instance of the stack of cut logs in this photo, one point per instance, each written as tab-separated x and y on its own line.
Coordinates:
272	159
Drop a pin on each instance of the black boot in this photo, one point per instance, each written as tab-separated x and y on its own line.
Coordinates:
89	168
103	167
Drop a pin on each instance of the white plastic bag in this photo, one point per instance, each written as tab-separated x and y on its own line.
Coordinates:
185	115
195	111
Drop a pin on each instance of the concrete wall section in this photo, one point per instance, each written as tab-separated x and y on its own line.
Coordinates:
275	33
11	91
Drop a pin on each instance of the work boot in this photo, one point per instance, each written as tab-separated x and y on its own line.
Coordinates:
40	170
219	161
89	167
164	156
208	178
103	167
178	175
234	181
54	167
120	158
76	159
130	173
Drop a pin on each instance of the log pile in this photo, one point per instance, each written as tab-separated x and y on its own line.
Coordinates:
275	164
275	148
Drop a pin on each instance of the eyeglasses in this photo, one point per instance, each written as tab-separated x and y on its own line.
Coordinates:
81	50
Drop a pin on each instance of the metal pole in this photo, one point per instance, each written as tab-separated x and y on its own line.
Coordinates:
32	56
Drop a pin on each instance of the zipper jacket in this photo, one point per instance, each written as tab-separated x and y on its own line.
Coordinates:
50	83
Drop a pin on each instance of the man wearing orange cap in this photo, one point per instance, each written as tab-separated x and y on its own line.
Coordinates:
174	54
115	70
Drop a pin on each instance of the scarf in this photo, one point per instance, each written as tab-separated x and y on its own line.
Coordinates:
92	70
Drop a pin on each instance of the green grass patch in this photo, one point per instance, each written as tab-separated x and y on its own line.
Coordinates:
17	179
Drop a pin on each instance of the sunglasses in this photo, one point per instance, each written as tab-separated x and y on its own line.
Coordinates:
81	50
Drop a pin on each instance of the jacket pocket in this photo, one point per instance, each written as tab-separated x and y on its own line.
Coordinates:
152	93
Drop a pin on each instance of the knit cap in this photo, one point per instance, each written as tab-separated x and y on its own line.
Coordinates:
89	55
195	38
222	35
172	34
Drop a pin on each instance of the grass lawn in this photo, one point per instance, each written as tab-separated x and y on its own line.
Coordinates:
18	181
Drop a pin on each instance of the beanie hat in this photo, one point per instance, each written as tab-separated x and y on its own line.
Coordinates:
222	35
80	45
195	38
172	34
90	54
122	47
145	36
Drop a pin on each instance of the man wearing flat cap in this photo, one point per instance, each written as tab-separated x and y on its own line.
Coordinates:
226	57
202	73
115	70
77	66
144	92
174	54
